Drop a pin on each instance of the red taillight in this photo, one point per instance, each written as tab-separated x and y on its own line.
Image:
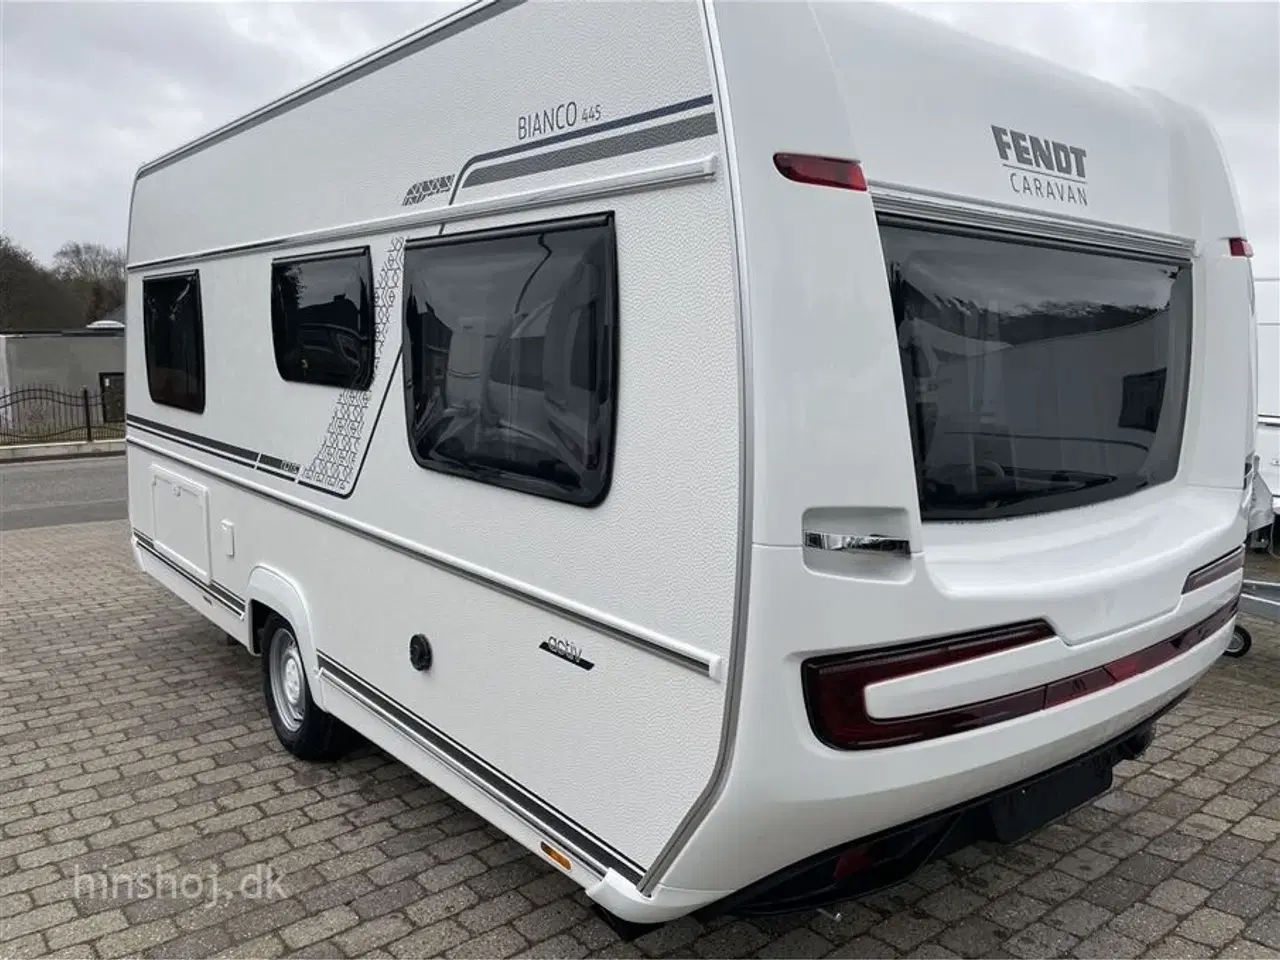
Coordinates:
1081	685
835	687
824	171
1223	567
1240	247
1164	651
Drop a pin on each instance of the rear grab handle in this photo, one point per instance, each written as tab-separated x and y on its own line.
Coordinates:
856	543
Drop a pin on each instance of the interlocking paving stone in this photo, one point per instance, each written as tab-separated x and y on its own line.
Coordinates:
952	902
1144	922
1176	948
113	771
1079	917
1040	940
1108	944
1266	930
501	942
1178	896
1211	927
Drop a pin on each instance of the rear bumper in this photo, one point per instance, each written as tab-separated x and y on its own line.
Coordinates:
873	863
788	797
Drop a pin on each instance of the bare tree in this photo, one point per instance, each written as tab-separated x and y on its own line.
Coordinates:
31	297
96	274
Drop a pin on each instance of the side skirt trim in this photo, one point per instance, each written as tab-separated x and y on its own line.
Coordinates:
213	589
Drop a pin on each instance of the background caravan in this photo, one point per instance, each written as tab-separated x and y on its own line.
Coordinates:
678	457
1267	313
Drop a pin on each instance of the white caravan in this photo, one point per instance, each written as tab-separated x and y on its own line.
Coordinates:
741	450
1267	312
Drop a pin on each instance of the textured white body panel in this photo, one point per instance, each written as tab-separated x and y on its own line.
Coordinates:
624	748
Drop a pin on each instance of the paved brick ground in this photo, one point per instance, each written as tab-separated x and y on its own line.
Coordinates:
133	742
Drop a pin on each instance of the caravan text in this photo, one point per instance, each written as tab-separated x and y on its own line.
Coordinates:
557	119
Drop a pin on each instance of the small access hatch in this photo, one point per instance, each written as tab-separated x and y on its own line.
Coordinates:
180	521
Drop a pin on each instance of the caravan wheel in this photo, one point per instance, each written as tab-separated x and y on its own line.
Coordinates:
303	728
1239	643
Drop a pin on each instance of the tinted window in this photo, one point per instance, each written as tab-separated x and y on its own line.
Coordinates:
322	319
1036	378
173	336
510	343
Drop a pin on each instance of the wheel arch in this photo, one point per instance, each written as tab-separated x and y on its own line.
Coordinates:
271	591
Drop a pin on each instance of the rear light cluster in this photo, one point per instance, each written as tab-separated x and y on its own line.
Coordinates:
835	687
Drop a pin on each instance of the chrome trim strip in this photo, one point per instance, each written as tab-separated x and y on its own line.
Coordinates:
1269	419
856	543
896	200
634	181
673	651
714	786
471	15
483	775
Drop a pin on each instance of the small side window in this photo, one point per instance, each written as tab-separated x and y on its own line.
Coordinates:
322	319
510	355
173	337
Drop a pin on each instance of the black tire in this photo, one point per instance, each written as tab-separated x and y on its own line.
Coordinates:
302	727
1239	643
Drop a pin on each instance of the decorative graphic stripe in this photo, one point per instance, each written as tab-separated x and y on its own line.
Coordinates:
427	188
214	590
545	817
227	450
650	138
262	462
275	465
335	468
597	128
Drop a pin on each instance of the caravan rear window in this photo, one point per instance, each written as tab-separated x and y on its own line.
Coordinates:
173	339
322	319
510	342
1036	378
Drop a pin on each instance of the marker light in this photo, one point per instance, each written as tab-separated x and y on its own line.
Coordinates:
556	857
1240	247
1219	569
823	171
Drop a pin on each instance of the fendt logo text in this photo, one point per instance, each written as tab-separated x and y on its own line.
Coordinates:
1037	167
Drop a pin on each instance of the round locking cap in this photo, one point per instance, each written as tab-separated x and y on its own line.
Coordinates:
420	652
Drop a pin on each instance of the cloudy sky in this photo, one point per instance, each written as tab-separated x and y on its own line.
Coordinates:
89	90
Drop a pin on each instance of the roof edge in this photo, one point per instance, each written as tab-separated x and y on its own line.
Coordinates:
450	24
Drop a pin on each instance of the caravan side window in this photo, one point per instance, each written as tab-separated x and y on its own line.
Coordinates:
510	355
173	337
322	319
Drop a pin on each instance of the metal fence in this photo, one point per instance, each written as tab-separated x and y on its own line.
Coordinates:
49	415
